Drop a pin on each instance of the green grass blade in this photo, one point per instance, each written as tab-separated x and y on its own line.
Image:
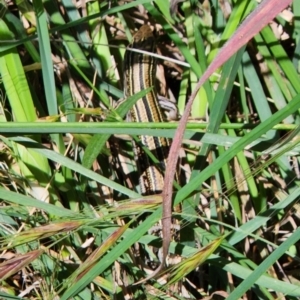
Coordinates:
27	201
67	162
264	266
46	59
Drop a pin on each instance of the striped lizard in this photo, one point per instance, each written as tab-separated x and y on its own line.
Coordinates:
140	74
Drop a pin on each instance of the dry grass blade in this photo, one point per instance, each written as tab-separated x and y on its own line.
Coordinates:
14	265
41	232
186	266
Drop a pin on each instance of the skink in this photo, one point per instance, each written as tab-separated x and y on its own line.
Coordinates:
140	72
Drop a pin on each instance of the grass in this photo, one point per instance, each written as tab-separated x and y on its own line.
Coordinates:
73	223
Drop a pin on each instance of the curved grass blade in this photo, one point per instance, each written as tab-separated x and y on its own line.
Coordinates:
259	18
